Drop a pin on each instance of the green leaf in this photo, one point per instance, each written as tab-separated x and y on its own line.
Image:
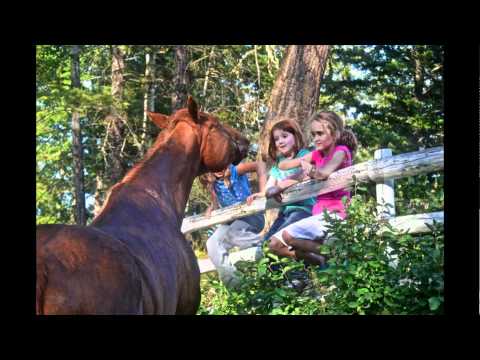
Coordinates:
323	278
362	291
324	249
352	304
262	271
272	256
434	302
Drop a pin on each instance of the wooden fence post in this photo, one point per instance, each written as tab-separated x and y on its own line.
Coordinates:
385	190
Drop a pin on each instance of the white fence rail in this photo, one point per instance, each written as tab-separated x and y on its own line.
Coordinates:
383	170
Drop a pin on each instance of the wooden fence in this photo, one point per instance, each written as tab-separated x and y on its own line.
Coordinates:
382	170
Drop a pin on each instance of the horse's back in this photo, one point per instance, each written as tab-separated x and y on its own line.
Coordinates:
81	270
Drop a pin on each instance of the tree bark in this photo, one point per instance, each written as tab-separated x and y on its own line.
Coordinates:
296	90
80	213
149	97
295	94
181	83
418	77
117	117
99	194
207	74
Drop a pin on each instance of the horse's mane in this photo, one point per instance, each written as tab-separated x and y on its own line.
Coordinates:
133	172
161	140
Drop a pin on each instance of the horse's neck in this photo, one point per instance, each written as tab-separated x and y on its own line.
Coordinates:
166	177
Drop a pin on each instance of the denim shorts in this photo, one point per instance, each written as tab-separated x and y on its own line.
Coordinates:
283	220
256	222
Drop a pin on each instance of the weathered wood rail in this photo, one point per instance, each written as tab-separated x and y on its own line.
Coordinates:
383	170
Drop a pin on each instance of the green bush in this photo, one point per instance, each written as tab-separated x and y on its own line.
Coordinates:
369	273
264	290
382	273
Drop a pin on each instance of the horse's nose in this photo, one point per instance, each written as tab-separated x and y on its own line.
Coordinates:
242	150
244	147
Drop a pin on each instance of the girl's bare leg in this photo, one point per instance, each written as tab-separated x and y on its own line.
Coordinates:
278	248
310	257
304	245
307	250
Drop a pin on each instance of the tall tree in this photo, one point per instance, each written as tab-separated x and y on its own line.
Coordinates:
77	151
117	118
150	87
114	137
295	94
296	89
180	80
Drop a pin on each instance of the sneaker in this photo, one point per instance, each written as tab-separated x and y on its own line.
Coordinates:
297	280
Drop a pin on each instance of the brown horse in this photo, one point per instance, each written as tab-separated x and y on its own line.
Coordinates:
133	259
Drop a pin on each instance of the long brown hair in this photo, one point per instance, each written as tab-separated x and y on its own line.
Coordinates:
288	125
208	179
335	123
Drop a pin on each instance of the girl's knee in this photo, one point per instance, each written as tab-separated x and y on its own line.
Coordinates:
211	243
274	244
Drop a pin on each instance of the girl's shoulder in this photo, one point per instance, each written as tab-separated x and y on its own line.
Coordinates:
316	155
348	159
343	148
303	152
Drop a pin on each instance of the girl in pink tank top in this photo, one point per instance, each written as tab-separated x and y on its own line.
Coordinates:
334	150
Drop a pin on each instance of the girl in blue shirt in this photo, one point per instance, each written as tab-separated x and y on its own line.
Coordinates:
229	187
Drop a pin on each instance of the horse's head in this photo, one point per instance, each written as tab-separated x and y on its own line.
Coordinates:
220	145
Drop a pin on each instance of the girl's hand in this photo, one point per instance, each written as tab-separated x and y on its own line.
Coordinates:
208	212
275	192
252	197
307	168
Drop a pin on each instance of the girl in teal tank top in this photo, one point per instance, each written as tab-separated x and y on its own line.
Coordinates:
286	142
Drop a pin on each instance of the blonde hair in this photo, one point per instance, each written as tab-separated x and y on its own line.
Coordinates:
336	124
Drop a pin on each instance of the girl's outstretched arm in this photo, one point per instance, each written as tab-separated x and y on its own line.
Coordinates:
214	204
270	183
255	166
293	163
260	168
278	187
325	171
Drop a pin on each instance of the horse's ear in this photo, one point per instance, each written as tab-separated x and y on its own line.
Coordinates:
159	119
192	108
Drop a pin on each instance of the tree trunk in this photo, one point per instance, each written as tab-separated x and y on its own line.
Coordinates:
296	90
80	211
117	118
149	97
418	77
207	74
179	96
295	94
99	194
